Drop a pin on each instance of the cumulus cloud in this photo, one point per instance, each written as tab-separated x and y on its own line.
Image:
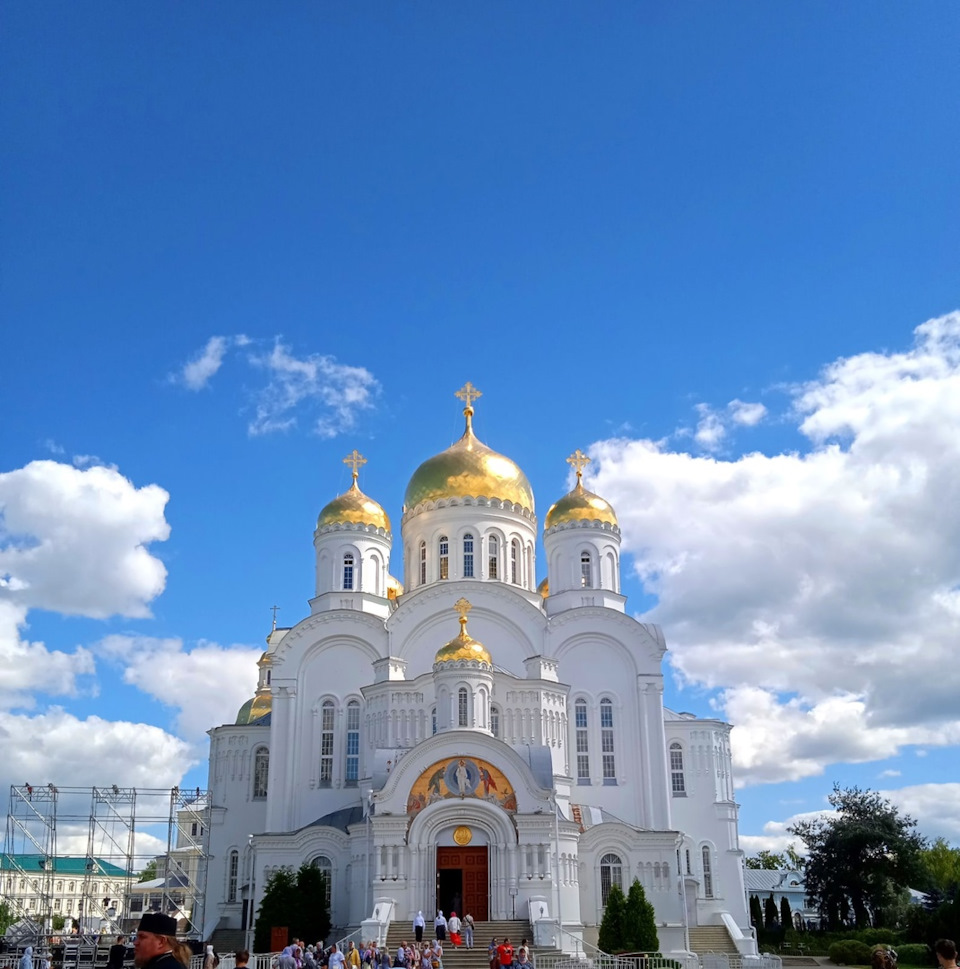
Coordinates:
205	685
745	413
710	430
75	541
200	369
335	391
818	591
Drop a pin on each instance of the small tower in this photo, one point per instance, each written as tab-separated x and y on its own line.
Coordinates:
463	679
582	540
352	542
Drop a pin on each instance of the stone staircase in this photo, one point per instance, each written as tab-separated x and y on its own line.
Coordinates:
711	938
462	958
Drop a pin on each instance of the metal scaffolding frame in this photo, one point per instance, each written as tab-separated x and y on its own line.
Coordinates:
43	821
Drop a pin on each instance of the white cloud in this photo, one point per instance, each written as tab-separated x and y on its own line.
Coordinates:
889	773
819	591
197	372
206	684
747	414
336	391
74	541
710	430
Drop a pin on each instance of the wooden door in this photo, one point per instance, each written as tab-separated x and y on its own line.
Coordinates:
472	864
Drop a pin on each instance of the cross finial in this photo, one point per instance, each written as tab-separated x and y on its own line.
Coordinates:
274	610
462	607
356	461
468	394
579	461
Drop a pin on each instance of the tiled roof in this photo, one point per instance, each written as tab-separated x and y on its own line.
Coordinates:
63	865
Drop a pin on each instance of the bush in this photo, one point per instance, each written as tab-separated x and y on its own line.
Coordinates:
873	937
914	955
850	952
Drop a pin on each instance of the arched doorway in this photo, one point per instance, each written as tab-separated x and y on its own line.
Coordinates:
463	881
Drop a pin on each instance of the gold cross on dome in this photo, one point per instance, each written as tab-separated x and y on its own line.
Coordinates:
468	394
579	461
462	607
356	461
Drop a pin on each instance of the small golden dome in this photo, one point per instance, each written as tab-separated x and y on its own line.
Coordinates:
243	714
463	646
544	588
354	507
255	708
580	505
469	469
394	587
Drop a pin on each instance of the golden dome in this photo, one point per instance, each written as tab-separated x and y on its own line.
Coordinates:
243	714
255	708
354	507
394	587
544	588
463	646
469	469
580	505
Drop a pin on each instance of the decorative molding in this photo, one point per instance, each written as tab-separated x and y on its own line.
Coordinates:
594	525
467	502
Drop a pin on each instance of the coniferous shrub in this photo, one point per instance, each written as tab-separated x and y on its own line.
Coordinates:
611	935
786	916
640	922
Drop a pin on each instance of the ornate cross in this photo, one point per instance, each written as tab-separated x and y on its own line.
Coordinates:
579	461
468	394
462	607
356	461
274	610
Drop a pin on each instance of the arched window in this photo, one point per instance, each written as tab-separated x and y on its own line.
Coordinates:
468	556
233	870
433	720
261	769
689	869
606	742
586	571
707	873
444	549
326	743
515	562
423	563
326	869
493	556
583	743
70	888
495	721
352	765
678	786
611	873
59	886
462	706
348	571
268	677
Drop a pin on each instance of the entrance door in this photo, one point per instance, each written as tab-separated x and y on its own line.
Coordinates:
462	882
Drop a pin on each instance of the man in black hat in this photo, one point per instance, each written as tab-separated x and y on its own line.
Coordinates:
156	945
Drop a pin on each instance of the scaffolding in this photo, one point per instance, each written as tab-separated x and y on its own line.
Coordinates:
98	841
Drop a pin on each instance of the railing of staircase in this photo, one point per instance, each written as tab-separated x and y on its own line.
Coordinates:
354	935
585	952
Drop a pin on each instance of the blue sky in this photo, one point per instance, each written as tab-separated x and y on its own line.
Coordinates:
695	240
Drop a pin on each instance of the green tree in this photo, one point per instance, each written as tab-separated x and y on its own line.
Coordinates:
770	913
640	923
612	925
786	916
861	856
311	918
766	860
7	918
276	908
942	866
149	871
756	912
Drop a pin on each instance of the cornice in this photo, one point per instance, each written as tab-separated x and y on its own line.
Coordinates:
468	502
352	527
334	616
595	525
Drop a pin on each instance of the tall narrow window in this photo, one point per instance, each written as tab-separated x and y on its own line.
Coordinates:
515	562
352	765
689	869
586	571
326	743
444	548
495	721
423	563
261	770
433	720
583	745
678	786
606	742
493	556
348	571
468	556
462	706
611	873
234	870
707	874
326	869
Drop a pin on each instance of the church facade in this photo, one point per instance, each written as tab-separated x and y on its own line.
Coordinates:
470	740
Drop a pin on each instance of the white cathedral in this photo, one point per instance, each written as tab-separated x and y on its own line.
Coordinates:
470	739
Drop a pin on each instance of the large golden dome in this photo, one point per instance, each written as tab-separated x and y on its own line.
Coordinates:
469	469
580	505
353	507
463	646
255	708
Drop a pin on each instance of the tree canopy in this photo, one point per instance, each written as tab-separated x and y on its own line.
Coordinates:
295	901
860	857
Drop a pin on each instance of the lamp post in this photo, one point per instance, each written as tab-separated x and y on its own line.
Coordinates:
250	852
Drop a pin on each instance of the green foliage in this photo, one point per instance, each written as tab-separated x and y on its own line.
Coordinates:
850	952
756	912
7	917
914	954
613	922
766	860
640	923
770	914
786	916
149	871
860	858
942	866
57	923
295	901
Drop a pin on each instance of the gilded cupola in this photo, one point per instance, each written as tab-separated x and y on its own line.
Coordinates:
580	505
469	469
463	646
353	507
